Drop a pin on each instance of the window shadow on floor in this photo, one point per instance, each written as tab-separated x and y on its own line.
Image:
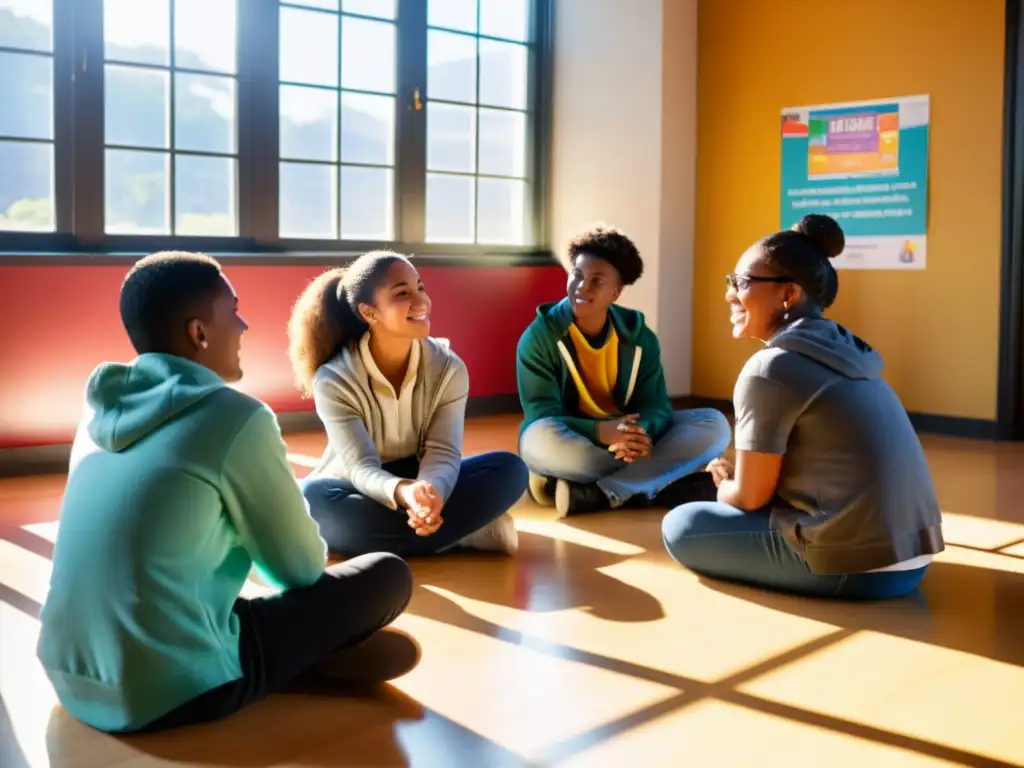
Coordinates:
546	575
959	607
386	728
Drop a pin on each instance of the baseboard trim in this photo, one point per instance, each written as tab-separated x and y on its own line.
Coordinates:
53	459
924	423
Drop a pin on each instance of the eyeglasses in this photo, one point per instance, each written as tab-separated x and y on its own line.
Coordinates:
742	282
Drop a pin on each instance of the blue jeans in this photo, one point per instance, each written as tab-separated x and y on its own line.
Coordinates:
723	542
696	436
352	524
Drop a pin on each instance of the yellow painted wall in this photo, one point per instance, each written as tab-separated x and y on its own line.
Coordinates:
938	329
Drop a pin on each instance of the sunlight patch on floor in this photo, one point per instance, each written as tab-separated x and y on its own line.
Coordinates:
980	532
893	683
528	700
738	736
563	532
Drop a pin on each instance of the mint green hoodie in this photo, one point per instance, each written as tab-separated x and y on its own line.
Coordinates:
178	484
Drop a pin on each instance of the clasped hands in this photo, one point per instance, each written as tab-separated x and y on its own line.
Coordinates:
422	503
625	438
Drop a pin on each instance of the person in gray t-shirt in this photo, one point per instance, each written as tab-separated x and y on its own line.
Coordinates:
830	493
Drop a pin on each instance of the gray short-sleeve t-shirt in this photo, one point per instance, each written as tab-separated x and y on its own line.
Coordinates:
855	492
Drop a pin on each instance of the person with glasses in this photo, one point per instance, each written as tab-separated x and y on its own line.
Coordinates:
830	493
599	430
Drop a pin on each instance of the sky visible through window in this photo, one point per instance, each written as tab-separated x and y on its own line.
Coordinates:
171	118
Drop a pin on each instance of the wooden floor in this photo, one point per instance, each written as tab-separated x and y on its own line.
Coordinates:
592	648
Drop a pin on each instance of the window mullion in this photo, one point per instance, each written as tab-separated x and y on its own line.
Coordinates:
538	127
87	135
411	122
64	64
258	109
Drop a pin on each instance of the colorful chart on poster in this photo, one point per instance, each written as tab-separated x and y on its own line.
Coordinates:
865	164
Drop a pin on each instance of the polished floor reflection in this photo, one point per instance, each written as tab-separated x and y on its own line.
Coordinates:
591	648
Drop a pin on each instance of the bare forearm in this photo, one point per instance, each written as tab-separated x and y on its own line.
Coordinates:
729	492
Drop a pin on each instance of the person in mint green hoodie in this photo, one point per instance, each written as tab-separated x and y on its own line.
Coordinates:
179	485
599	430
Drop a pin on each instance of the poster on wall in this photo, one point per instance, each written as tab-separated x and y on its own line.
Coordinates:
865	164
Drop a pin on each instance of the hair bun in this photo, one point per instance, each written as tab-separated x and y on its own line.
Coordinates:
824	231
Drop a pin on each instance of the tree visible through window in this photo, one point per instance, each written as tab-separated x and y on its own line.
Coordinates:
169	117
27	200
271	124
337	130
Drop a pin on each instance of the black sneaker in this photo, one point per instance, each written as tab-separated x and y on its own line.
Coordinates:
699	486
579	498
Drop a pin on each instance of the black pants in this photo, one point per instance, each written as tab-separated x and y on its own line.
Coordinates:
285	635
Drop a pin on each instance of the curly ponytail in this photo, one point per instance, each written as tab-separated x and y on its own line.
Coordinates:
326	315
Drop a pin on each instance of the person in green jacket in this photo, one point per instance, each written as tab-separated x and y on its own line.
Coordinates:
599	428
178	485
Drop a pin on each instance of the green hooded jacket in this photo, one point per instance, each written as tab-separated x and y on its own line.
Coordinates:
546	355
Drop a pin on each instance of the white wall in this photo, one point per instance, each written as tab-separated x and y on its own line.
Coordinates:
623	148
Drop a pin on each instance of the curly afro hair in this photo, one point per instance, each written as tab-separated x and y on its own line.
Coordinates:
612	245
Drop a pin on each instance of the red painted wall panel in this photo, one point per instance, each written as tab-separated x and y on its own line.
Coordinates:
59	322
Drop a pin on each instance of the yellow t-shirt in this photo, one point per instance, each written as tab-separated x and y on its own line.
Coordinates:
598	372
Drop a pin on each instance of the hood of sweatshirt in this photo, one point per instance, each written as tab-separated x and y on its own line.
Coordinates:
558	316
830	344
130	401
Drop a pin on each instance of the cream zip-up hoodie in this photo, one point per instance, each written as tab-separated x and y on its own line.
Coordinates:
346	403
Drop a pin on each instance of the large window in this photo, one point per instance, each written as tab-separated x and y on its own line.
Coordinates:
262	126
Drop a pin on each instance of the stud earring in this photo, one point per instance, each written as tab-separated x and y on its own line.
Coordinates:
203	344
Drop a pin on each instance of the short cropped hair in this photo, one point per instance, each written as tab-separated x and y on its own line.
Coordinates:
162	292
612	245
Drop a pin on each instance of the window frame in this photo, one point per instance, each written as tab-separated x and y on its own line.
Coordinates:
79	185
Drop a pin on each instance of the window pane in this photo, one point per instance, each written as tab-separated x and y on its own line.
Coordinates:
308	201
136	195
204	196
309	123
367	203
451	138
26	96
136	112
500	211
382	9
367	130
328	5
502	142
204	113
26	186
451	67
309	47
367	55
449	209
205	34
505	18
137	30
26	24
503	74
453	14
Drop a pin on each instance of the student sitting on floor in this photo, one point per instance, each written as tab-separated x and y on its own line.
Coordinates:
178	484
830	493
599	428
393	402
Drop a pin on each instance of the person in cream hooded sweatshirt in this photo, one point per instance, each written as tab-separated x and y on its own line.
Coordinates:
393	402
